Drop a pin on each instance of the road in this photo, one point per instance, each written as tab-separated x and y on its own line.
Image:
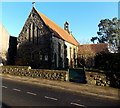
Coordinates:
16	93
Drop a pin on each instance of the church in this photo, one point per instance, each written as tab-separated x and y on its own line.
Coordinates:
44	44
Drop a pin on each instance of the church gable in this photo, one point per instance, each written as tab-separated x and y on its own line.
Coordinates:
33	28
34	42
44	44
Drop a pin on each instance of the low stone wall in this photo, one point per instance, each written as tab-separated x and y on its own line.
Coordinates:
103	79
59	75
95	78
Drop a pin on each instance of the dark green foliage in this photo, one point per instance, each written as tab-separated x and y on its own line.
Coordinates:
114	79
108	61
93	39
109	32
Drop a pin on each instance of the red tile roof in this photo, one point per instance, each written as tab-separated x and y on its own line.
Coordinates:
96	48
60	32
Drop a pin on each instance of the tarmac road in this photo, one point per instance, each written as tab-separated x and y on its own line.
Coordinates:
15	93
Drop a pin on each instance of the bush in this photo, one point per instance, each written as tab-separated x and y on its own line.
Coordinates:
108	61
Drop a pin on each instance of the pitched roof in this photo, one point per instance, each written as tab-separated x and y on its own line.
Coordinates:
96	48
60	32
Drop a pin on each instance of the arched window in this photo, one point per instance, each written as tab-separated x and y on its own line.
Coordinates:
29	33
46	57
59	49
70	52
33	27
74	55
55	58
40	56
37	34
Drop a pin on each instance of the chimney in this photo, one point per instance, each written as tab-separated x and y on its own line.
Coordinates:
66	27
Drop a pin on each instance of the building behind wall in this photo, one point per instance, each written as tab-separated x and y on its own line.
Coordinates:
87	53
4	44
44	44
12	50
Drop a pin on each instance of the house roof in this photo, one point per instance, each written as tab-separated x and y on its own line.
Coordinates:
96	48
60	32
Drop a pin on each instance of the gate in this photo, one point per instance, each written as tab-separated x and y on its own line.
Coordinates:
77	75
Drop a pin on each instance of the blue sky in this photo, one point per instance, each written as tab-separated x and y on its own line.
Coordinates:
82	16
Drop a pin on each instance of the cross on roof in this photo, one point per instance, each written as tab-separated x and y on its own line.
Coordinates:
33	4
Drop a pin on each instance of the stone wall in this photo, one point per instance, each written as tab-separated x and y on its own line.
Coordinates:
58	52
95	78
34	43
59	75
103	78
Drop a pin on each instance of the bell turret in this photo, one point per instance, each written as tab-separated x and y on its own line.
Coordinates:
66	27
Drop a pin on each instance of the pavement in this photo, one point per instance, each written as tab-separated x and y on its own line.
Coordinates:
87	89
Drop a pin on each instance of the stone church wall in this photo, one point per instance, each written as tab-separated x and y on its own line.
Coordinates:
68	53
39	47
58	52
34	43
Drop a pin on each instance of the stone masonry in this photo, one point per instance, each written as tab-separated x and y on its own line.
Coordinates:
26	71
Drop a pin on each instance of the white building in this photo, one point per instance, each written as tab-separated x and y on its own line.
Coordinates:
4	44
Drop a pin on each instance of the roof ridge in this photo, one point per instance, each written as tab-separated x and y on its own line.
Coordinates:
51	20
55	27
94	44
